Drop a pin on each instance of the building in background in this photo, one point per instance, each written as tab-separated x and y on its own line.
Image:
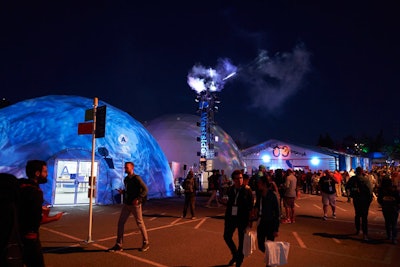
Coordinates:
276	154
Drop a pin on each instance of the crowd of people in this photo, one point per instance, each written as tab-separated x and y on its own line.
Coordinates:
266	197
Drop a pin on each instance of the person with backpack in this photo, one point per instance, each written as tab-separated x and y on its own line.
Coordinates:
32	213
135	193
190	186
360	189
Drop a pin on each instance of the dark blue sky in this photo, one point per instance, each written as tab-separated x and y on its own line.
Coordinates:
305	67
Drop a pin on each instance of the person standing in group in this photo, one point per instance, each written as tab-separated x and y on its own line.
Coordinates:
237	216
267	209
290	196
190	186
279	179
327	185
338	186
135	193
345	179
389	199
361	192
213	186
32	213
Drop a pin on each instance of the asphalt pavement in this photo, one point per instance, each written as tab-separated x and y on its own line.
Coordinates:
76	240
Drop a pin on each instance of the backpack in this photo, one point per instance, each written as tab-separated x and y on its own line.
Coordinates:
10	237
359	189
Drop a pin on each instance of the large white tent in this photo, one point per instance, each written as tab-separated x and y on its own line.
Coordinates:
277	154
177	135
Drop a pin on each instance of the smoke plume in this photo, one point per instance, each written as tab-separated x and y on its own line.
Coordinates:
272	80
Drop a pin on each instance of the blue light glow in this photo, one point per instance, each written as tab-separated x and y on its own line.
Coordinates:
315	161
266	158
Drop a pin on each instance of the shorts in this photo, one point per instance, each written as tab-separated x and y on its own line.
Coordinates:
328	199
288	202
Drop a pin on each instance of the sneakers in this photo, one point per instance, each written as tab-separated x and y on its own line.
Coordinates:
194	218
325	218
334	215
286	221
145	247
115	248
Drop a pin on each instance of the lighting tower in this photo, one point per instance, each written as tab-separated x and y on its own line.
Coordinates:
207	107
207	82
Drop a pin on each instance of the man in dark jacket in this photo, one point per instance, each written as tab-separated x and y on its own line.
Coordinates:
135	193
237	216
32	213
361	191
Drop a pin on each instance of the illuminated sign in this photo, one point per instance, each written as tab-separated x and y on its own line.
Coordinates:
283	151
203	136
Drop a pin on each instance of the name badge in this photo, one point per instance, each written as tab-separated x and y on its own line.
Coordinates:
234	210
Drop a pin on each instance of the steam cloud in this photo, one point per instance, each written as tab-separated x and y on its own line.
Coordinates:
200	78
271	80
274	79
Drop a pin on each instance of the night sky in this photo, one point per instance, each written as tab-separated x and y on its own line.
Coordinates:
305	68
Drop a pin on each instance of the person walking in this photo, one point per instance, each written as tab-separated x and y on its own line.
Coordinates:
190	186
32	212
389	199
134	194
237	216
327	186
267	209
213	186
361	192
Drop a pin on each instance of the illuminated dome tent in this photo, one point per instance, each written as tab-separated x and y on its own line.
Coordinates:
46	128
177	135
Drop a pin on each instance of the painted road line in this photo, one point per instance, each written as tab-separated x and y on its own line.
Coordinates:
301	243
341	208
336	240
175	221
200	223
318	207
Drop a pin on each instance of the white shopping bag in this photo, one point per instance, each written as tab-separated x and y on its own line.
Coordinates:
276	252
249	243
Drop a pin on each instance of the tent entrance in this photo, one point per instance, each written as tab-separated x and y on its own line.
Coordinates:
72	181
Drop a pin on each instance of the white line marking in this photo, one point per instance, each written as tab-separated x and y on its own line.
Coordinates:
301	243
341	208
177	220
318	207
104	248
336	240
200	223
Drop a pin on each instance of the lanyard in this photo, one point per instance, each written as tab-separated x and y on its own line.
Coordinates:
236	196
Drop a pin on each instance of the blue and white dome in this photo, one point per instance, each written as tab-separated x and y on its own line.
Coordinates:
46	128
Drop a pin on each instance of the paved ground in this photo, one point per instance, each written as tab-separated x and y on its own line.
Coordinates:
183	242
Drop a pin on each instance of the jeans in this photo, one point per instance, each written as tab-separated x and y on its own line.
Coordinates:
190	199
136	210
